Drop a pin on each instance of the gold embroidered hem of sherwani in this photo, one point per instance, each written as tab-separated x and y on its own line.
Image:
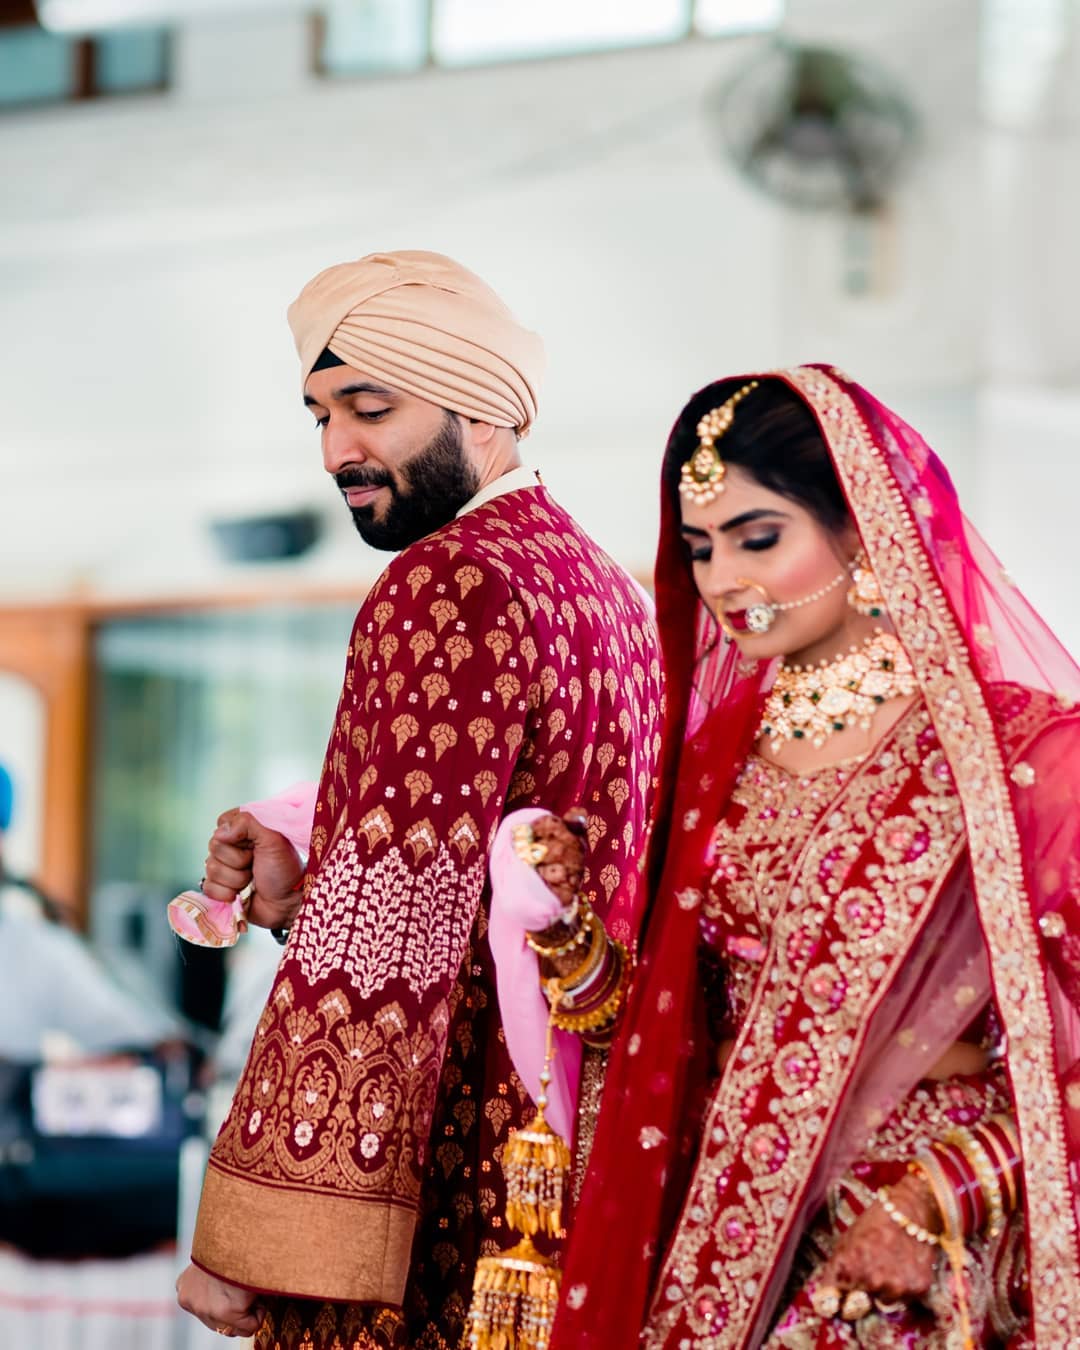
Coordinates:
368	1262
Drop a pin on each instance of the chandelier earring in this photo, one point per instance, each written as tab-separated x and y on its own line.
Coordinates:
865	595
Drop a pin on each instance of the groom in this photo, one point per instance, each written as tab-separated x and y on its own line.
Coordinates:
502	659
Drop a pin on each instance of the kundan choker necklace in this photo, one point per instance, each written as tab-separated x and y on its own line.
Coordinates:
814	702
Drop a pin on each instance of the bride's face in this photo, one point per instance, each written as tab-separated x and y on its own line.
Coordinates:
751	537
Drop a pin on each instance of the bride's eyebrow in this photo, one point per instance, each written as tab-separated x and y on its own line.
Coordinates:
748	517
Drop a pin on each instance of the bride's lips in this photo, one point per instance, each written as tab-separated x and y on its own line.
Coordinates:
736	619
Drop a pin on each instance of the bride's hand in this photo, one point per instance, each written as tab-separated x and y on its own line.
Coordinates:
561	869
876	1255
563	841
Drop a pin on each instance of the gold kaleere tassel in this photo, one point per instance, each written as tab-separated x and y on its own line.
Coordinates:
516	1293
536	1160
514	1300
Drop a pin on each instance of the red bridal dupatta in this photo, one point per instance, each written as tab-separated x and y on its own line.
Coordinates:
687	1228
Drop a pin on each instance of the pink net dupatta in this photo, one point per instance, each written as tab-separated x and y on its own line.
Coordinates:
1001	693
218	923
521	902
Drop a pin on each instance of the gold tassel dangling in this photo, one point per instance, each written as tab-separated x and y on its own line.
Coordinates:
536	1160
515	1294
514	1299
535	1163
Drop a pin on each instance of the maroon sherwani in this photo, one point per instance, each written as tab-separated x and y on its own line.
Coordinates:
504	661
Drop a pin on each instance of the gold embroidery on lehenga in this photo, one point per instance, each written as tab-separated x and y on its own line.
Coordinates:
593	1072
802	862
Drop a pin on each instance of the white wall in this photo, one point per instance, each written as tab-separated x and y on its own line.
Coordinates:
1026	490
150	248
149	374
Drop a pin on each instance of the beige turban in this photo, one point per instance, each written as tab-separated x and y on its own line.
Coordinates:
422	323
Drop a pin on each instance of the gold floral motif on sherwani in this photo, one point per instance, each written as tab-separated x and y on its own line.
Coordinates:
502	662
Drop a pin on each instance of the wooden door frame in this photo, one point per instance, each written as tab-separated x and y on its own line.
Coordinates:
51	646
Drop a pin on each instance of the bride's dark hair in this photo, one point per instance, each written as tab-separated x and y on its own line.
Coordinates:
774	437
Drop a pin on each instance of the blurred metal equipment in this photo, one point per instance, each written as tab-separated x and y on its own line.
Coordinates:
94	16
264	538
816	127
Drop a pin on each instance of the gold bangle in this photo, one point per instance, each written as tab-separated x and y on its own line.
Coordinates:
910	1227
591	1021
542	949
951	1240
943	1193
600	1016
569	991
1008	1128
594	954
571	995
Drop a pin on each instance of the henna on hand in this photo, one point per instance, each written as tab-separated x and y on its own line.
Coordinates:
564	862
562	871
877	1255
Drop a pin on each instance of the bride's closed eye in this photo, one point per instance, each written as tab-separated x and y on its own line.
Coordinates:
761	542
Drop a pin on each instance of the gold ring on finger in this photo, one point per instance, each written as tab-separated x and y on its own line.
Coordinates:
825	1300
526	846
856	1306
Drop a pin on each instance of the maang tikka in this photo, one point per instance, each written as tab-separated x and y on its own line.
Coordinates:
701	479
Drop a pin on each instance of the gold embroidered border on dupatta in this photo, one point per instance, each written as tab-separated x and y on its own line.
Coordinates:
925	623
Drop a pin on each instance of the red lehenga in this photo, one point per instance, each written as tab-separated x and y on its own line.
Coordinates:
861	920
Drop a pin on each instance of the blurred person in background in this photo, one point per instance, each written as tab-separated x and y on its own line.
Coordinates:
53	990
350	1190
92	1081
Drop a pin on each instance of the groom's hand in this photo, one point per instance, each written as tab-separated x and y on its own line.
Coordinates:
241	851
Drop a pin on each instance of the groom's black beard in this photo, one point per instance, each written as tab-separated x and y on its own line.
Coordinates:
437	482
